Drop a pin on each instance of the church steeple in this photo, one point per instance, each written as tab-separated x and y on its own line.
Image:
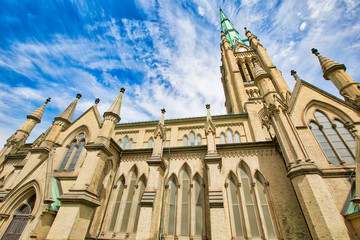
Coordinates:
232	35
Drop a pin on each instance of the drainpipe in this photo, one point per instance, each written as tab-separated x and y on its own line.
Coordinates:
163	198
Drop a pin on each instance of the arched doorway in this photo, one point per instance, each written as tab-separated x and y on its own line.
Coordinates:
19	221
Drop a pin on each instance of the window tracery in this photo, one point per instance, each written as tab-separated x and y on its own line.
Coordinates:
73	153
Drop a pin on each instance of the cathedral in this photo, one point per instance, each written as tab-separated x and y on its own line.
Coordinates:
280	164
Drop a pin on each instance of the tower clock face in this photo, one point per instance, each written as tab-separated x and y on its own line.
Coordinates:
241	49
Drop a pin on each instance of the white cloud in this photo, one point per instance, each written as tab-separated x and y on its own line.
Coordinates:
303	26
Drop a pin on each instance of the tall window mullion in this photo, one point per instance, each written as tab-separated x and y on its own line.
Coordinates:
117	205
128	204
235	208
249	202
76	156
265	208
198	207
346	137
325	145
185	202
172	207
338	144
67	156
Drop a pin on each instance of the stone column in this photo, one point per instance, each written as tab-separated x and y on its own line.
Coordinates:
213	186
246	73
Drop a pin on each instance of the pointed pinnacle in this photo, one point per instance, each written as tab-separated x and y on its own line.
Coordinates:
163	111
115	108
328	66
97	100
68	113
38	113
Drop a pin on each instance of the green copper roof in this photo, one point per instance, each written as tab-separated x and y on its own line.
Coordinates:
229	30
55	193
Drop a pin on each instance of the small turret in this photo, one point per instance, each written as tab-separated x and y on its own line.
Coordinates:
335	72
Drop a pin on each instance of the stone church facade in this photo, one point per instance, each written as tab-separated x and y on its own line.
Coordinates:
280	165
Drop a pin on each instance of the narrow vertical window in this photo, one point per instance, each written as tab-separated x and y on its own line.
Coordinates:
185	220
151	141
345	135
198	207
185	140
172	207
119	142
130	143
192	139
230	137
222	137
249	71
237	137
120	188
329	152
242	73
199	139
76	156
67	156
235	208
129	201
125	142
265	208
249	202
141	190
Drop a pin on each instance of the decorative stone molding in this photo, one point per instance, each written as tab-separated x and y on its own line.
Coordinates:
216	199
191	127
127	132
148	199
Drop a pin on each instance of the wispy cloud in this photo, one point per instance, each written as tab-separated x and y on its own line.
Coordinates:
166	54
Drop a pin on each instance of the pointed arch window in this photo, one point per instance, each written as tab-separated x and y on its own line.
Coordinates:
222	138
126	139
120	187
130	143
198	206
237	137
230	137
249	202
128	204
234	204
172	206
20	219
263	197
192	139
186	140
336	145
151	142
73	153
185	202
198	139
119	142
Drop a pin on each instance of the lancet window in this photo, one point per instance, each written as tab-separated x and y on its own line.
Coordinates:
72	153
192	139
186	140
336	141
246	216
198	139
151	142
126	208
185	205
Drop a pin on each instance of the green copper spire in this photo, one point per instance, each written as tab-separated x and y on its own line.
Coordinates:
229	30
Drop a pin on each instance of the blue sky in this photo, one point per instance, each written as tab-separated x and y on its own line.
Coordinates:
165	53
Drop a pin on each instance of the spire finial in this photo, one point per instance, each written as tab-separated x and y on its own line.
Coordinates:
48	100
207	106
37	114
78	96
294	74
315	51
163	111
115	108
97	100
